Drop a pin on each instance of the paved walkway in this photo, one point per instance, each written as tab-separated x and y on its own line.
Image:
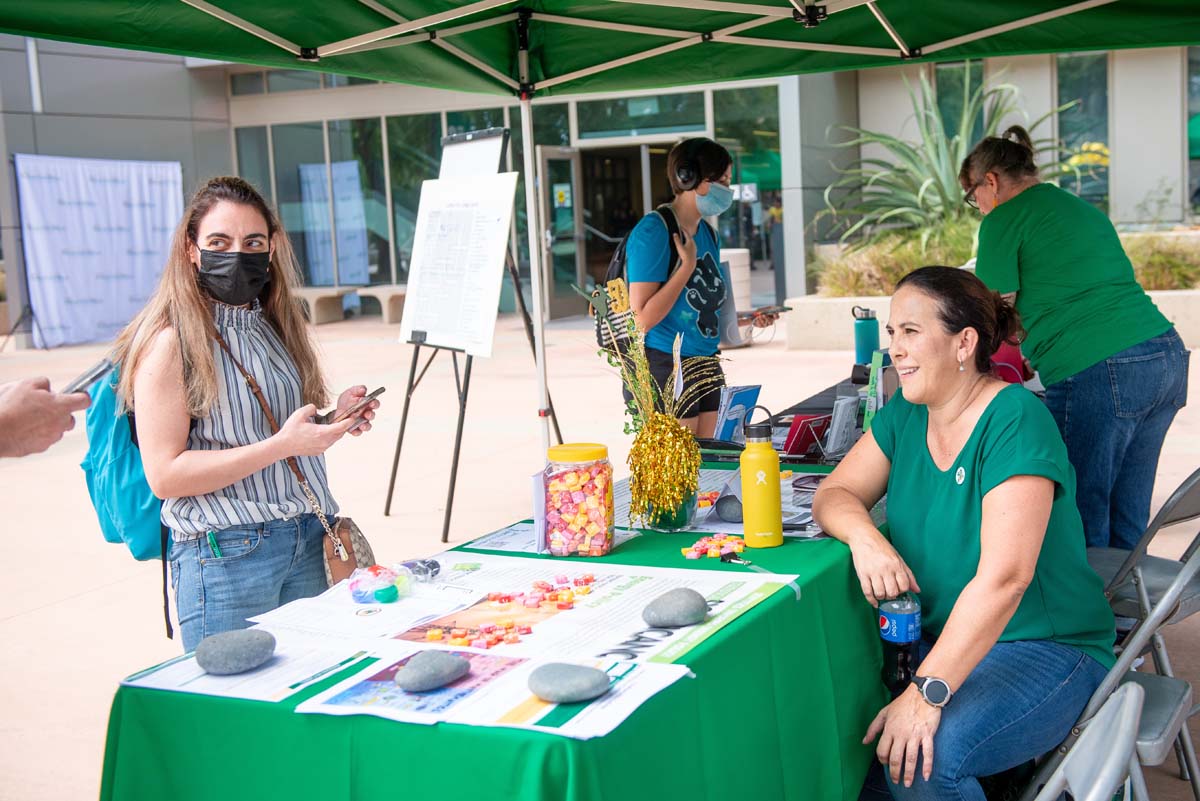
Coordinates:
77	614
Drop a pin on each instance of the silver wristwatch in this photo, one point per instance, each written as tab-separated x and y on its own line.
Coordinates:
936	692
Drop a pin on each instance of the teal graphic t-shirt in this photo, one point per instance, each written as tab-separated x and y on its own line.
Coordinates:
649	253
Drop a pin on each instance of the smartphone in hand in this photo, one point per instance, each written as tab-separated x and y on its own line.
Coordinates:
333	417
89	377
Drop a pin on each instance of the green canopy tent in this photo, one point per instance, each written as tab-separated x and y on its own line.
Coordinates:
549	47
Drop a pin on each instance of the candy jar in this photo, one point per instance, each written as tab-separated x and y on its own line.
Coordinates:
578	500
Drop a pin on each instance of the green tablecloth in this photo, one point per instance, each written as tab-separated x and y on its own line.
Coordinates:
777	710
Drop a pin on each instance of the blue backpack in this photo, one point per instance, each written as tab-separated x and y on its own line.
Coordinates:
127	509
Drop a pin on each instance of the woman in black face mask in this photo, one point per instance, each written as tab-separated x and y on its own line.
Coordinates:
245	538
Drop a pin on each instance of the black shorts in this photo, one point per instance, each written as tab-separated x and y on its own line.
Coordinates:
661	365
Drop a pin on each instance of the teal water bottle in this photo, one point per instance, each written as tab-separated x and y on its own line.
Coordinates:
866	334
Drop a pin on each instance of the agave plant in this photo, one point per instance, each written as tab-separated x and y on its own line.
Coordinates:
916	185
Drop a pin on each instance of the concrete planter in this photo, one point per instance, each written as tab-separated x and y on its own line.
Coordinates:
817	323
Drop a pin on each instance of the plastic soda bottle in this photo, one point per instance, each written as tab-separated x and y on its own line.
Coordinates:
762	514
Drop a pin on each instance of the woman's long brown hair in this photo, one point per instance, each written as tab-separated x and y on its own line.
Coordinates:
178	304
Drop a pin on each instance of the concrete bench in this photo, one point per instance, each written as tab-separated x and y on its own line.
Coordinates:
324	303
390	297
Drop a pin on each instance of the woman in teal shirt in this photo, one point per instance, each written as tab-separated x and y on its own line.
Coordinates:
983	525
1114	368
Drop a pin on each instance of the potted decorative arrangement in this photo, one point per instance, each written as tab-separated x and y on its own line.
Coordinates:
664	461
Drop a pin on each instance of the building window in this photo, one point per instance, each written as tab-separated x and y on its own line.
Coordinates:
414	155
551	126
952	80
302	196
640	116
1083	128
746	121
1193	127
474	120
254	160
360	202
246	83
333	81
292	80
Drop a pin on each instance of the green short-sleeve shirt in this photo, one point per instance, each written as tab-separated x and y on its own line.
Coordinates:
934	519
1078	298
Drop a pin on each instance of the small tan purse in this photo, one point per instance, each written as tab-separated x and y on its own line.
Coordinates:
346	547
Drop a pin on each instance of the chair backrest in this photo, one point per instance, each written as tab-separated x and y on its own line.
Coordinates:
1183	505
1098	762
1137	639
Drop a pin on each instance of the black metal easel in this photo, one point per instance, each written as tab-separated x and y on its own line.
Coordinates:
462	380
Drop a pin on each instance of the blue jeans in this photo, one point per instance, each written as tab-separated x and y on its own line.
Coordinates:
1114	417
1017	704
260	568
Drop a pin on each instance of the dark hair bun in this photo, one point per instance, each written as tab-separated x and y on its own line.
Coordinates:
1008	324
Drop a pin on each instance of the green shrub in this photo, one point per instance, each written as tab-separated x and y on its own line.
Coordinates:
1164	261
875	268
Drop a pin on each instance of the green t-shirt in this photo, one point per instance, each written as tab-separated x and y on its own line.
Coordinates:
934	519
1078	298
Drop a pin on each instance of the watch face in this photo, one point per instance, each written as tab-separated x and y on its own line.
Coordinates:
936	691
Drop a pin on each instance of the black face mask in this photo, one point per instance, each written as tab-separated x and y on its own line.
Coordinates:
233	277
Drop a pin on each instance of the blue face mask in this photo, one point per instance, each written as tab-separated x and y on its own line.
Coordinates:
718	199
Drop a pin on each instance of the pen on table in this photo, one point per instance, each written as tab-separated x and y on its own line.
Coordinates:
327	670
212	543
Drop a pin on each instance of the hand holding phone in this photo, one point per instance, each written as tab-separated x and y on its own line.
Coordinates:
357	409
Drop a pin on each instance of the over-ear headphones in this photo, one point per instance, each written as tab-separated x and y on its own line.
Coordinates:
687	169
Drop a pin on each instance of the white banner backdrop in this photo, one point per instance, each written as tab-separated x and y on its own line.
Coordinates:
96	234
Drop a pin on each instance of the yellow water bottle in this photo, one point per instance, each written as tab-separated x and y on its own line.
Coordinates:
762	514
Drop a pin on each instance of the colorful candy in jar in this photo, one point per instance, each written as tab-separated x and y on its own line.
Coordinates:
578	500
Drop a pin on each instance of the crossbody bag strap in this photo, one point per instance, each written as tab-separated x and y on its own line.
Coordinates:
256	390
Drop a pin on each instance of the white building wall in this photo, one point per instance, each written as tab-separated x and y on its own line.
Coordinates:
1146	121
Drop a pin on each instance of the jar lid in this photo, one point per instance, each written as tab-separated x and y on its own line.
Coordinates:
577	452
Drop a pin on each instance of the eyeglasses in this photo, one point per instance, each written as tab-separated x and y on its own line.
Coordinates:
969	198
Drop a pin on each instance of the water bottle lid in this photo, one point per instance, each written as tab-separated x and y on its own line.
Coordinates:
757	430
863	313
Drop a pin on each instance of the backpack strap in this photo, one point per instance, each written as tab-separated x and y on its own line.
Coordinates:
668	217
164	544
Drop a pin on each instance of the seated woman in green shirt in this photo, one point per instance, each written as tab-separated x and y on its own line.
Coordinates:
982	524
1114	368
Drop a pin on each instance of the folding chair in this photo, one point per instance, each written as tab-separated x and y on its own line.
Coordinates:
1135	581
1104	755
1168	700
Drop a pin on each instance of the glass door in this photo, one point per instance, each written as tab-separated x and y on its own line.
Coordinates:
560	170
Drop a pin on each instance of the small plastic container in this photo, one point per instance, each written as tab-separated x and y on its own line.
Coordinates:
578	500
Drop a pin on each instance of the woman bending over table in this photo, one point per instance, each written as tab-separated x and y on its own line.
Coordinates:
244	536
1114	367
982	523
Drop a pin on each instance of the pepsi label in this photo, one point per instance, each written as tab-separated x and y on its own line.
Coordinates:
900	620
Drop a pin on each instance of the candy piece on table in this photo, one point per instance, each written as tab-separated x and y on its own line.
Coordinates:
512	638
533	601
584	590
487	628
429	670
561	683
785	474
479	643
589	578
566	604
681	606
460	641
714	552
524	628
505	624
694	555
560	579
685	551
236	651
434	635
458	632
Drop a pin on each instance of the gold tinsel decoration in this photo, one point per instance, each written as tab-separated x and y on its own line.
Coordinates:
664	461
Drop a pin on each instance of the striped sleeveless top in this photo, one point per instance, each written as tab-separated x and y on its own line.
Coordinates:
237	419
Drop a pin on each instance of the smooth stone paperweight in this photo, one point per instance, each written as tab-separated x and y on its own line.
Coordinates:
430	670
675	608
561	683
235	651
